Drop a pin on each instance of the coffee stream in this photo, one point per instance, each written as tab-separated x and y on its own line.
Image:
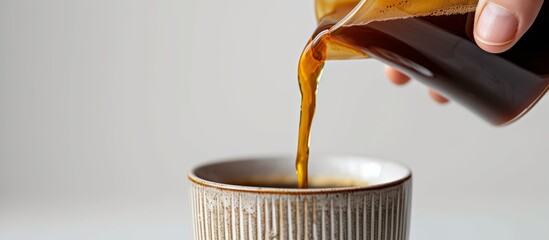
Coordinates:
432	49
310	68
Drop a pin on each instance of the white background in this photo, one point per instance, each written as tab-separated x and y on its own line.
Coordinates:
106	105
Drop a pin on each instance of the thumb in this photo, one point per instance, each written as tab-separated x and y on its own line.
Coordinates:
499	24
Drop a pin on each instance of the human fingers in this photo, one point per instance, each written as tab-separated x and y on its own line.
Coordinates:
437	96
499	24
400	78
396	76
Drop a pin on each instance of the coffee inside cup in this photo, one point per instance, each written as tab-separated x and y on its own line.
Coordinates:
290	181
275	172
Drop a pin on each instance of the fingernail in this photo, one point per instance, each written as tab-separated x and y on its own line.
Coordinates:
496	25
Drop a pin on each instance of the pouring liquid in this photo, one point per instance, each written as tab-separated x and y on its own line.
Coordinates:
438	51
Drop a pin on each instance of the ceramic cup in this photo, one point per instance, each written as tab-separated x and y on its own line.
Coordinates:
379	209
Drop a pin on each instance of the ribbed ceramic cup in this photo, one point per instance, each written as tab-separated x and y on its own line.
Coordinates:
379	210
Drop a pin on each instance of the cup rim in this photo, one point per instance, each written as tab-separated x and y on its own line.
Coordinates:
293	191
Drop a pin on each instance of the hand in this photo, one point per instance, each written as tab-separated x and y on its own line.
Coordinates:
499	24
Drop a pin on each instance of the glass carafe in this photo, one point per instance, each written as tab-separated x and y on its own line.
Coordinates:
432	42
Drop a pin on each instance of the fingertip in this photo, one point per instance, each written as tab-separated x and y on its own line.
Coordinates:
499	24
396	76
438	97
496	27
493	48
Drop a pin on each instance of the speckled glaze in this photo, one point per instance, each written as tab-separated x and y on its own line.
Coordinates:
378	211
